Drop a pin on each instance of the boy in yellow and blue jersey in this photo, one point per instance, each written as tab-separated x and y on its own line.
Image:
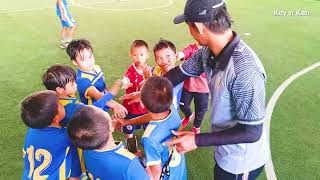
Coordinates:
61	78
67	21
164	162
90	78
91	129
47	152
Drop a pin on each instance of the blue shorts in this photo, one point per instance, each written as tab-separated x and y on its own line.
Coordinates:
70	22
129	129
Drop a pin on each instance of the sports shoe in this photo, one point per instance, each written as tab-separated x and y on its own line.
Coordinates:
186	120
196	130
64	45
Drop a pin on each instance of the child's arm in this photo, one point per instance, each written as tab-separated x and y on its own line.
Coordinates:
73	178
134	97
153	153
187	52
117	108
61	10
155	171
147	71
126	83
102	102
144	119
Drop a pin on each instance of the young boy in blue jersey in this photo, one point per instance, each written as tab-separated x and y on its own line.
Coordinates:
164	162
91	129
89	77
67	21
47	152
61	78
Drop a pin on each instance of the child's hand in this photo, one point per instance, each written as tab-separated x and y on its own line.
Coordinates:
115	87
133	97
117	123
147	71
120	111
180	56
126	83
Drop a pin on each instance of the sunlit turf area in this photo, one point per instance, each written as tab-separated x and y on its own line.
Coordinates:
29	32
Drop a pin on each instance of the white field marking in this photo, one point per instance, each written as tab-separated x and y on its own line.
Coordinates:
247	34
71	2
94	3
269	168
24	10
108	9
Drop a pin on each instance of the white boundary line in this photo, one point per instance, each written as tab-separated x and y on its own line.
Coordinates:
73	3
269	168
121	10
95	3
25	10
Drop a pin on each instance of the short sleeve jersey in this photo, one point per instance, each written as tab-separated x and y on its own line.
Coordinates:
136	79
116	163
48	154
158	132
86	80
71	104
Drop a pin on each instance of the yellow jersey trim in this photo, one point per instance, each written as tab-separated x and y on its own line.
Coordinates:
124	152
149	130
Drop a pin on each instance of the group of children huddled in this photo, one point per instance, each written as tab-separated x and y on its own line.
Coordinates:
68	139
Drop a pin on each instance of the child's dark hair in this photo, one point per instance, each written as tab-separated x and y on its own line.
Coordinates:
139	43
162	44
88	128
156	94
76	46
39	109
58	76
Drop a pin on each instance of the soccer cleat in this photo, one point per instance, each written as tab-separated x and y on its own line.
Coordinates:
186	120
64	45
196	130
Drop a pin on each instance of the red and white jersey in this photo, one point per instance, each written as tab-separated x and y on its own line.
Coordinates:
136	78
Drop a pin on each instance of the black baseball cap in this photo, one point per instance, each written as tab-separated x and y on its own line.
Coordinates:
198	11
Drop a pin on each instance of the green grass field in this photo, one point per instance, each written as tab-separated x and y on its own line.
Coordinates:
29	32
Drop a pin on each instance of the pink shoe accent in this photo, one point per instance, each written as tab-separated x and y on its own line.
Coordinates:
186	120
196	130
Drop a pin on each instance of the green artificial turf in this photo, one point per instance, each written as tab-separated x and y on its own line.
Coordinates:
29	45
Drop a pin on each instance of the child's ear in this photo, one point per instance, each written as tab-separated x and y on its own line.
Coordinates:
74	62
112	123
59	90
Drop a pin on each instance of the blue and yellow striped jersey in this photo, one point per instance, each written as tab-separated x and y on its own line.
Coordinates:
48	154
87	80
71	104
156	152
116	163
